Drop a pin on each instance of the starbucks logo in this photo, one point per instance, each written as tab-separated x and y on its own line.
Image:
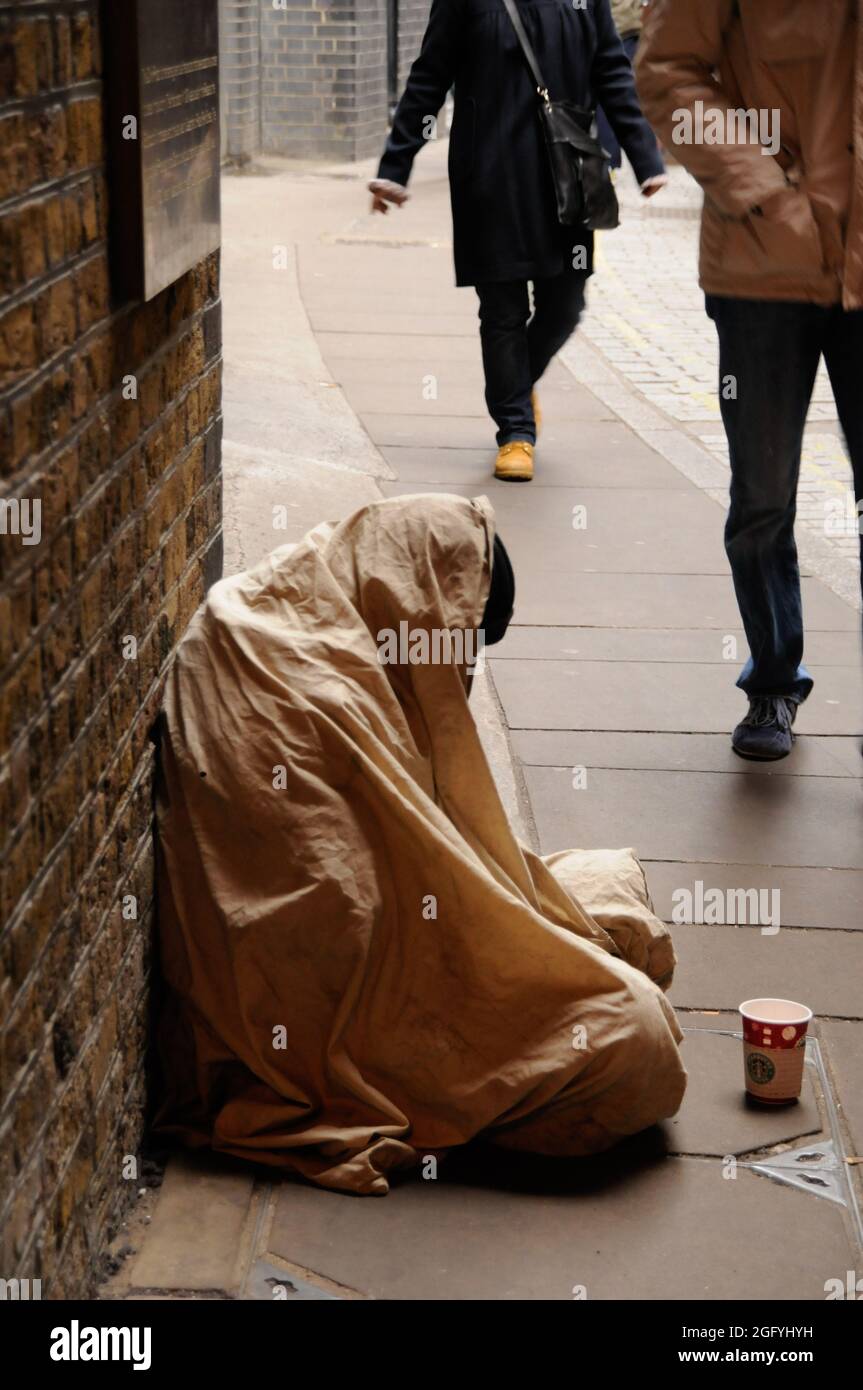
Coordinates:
760	1068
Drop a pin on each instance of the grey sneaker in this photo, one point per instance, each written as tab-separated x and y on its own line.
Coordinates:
766	735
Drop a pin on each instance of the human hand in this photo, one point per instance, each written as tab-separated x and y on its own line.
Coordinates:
653	185
384	191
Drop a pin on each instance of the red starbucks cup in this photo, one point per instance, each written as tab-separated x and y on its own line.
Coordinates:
774	1048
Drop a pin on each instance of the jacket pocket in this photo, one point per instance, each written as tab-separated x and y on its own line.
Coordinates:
787	246
786	31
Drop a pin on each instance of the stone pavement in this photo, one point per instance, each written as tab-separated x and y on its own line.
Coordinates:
607	713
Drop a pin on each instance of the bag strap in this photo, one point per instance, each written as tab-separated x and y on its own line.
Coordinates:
527	49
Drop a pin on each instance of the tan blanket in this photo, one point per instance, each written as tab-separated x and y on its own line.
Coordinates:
363	965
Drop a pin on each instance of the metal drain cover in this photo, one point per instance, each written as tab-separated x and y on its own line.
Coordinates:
813	1168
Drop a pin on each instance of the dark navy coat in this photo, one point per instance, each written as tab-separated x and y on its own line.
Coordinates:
504	219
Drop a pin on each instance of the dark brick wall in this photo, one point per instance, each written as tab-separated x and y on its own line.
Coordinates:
323	74
413	17
240	78
109	418
323	77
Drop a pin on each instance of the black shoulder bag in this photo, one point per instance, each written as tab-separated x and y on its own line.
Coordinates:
579	164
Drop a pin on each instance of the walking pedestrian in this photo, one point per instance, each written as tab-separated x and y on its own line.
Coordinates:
764	104
506	232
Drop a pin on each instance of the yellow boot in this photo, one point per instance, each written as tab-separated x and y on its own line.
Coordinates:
515	461
537	412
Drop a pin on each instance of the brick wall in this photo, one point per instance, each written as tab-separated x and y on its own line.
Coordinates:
413	18
239	78
324	74
109	417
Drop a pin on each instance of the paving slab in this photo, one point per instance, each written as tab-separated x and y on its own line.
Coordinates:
455	458
704	817
611	544
504	1228
652	600
564	443
718	967
396	347
843	1046
196	1240
271	498
430	431
639	695
717	1117
340	279
461	371
425	394
812	756
548	643
831	898
373	374
392	323
404	268
343	297
587	529
301	419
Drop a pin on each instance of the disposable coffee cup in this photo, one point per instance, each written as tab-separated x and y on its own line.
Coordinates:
774	1048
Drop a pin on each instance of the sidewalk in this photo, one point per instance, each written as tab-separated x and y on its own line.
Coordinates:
357	374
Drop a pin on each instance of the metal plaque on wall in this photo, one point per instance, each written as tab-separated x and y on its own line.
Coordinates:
161	65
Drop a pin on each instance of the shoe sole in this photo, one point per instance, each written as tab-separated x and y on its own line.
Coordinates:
514	477
761	757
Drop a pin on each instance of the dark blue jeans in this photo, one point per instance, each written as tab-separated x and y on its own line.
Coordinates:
772	351
517	346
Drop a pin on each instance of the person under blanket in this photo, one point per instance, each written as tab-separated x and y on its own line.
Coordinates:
361	964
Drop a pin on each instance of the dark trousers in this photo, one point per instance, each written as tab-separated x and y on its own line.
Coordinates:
769	354
517	346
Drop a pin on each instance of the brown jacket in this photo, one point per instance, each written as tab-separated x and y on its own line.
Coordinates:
783	224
